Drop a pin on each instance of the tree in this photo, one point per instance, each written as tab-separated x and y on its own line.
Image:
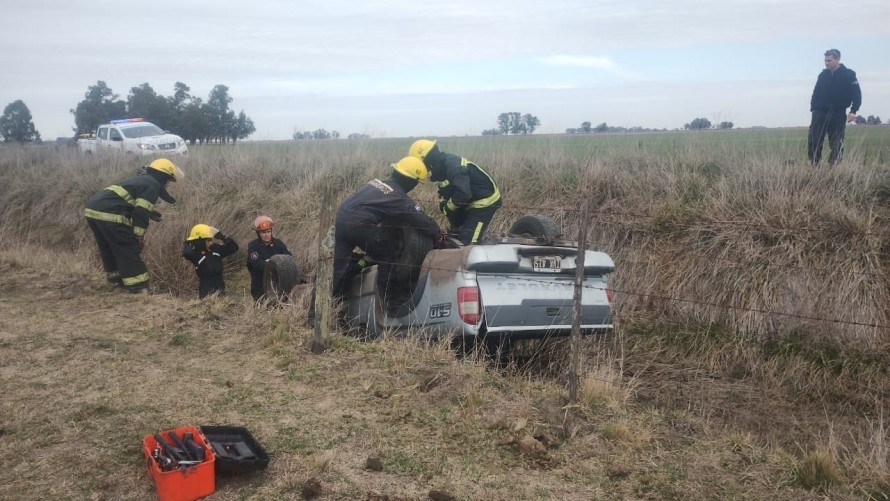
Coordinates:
504	123
531	122
603	127
243	127
99	106
698	124
516	124
585	128
218	114
144	102
491	132
16	125
873	120
861	120
726	125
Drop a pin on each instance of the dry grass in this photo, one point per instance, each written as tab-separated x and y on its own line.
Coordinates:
688	400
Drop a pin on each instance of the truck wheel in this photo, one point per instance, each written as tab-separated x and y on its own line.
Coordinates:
412	246
535	225
281	276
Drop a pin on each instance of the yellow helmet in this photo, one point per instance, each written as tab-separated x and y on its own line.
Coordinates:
167	167
201	231
420	148
412	167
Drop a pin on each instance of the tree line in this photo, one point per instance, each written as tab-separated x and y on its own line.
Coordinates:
182	113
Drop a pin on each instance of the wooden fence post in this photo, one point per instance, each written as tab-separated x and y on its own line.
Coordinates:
575	342
324	270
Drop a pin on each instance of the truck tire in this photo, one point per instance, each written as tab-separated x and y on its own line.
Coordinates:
412	246
535	225
281	276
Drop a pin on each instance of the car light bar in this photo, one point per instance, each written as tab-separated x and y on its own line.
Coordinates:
126	120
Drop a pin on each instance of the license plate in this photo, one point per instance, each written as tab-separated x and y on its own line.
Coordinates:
547	263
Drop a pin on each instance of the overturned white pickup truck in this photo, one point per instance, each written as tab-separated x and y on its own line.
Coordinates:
508	288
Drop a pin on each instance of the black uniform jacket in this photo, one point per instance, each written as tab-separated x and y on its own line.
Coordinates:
257	255
385	202
836	90
462	182
209	265
131	201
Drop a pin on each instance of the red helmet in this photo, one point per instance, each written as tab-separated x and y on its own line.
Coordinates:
262	223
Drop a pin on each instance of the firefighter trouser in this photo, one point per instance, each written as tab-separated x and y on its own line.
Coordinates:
119	251
368	237
472	223
832	122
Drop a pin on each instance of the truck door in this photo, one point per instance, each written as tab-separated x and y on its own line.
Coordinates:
116	140
102	139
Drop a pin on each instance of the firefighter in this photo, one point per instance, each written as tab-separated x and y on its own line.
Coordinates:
468	195
259	251
362	217
118	216
207	257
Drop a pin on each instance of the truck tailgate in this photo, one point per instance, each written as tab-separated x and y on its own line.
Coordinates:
524	303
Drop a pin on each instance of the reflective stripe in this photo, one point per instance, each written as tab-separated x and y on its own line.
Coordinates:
138	279
105	216
121	192
200	261
444	183
451	205
487	201
138	231
477	232
145	204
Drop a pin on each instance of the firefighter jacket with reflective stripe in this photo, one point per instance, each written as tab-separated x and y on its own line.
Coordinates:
129	202
836	90
257	255
462	183
385	202
209	264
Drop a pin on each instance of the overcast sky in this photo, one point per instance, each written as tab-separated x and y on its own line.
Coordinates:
396	68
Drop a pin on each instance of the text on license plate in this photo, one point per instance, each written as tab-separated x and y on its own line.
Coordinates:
547	263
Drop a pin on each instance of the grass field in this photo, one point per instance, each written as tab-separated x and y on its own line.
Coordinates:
749	361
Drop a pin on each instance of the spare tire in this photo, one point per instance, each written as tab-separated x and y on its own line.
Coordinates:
535	225
281	276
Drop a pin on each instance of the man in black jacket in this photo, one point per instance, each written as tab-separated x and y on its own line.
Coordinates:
363	216
836	90
468	195
118	216
259	251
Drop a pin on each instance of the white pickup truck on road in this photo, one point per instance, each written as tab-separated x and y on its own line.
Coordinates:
132	136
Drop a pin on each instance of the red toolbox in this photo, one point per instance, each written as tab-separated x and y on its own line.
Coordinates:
185	483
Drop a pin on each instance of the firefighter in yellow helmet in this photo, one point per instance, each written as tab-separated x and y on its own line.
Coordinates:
363	216
468	195
118	216
259	251
199	248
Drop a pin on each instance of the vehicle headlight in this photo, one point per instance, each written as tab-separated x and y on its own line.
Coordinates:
180	143
143	146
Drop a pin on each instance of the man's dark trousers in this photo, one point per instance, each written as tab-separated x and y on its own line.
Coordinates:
827	121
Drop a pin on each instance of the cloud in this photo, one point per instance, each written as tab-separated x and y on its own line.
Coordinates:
592	62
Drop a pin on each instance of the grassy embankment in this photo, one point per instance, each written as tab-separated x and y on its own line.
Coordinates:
749	360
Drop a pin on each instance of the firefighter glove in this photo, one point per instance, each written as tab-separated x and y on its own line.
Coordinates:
155	216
